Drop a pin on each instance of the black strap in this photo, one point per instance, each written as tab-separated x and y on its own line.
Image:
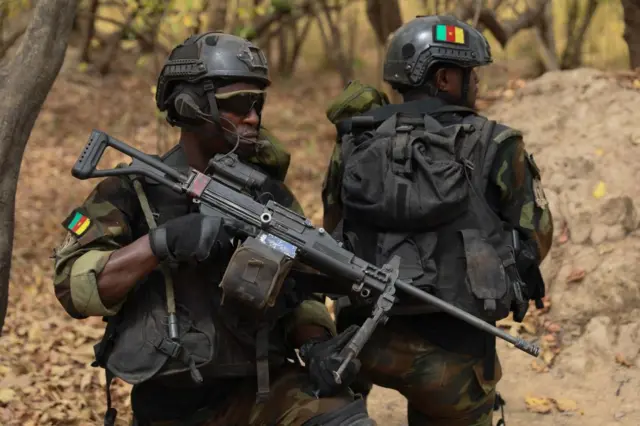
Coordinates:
490	357
401	152
112	413
499	404
102	348
175	350
262	362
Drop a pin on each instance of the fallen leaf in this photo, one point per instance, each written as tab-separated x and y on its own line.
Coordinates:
538	405
600	190
7	395
86	380
576	275
622	360
548	357
553	328
18	382
539	367
605	248
564	405
564	234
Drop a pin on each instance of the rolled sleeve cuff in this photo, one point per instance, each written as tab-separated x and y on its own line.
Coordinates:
312	312
84	284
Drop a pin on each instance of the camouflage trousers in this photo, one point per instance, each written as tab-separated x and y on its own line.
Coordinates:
441	387
290	403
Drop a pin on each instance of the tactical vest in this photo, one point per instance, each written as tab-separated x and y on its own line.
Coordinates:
416	189
217	338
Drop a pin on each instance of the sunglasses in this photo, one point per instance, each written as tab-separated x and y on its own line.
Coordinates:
241	102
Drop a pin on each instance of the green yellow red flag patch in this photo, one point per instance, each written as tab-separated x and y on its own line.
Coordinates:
449	33
77	222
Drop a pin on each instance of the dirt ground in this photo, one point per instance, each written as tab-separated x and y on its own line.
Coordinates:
581	127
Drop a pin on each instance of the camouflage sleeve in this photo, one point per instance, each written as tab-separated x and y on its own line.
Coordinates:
331	201
311	312
94	231
522	200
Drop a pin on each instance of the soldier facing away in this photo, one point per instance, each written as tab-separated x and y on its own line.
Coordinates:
465	211
145	259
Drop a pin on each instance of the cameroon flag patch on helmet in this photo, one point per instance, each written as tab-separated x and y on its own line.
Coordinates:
77	222
449	34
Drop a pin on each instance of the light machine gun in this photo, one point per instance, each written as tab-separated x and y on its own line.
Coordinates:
224	193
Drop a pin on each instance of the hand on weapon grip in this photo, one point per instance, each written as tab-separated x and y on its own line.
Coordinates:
323	359
193	237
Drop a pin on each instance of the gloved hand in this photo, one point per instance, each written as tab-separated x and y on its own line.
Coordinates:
190	237
323	358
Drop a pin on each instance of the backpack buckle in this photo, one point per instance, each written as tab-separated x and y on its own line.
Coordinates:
404	129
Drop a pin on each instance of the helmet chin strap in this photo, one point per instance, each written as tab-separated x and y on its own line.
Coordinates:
464	89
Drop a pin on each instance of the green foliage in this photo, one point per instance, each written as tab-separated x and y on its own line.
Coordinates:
246	31
14	8
284	6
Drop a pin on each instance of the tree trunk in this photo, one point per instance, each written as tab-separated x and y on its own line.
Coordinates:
89	31
385	17
632	30
576	30
217	15
547	41
25	82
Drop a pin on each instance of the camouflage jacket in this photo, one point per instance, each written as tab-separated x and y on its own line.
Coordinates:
110	214
515	189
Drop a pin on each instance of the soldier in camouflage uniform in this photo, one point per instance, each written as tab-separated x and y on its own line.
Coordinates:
132	240
446	369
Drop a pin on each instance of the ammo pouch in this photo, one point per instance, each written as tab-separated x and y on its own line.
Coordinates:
405	176
255	275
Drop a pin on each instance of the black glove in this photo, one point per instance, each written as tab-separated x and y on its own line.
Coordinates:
190	237
323	358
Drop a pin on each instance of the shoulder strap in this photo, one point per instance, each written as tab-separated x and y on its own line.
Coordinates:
168	279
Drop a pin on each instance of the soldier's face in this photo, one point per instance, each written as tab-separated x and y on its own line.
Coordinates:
239	105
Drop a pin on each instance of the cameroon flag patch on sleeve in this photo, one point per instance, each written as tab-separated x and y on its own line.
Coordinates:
77	222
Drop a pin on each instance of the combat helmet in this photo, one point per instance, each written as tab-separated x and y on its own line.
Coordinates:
199	65
427	41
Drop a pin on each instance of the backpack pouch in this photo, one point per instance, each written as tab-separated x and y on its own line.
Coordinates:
486	276
407	181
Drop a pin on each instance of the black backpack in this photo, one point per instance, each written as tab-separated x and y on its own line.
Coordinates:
415	188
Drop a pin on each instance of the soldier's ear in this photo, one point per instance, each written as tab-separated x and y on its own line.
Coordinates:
441	79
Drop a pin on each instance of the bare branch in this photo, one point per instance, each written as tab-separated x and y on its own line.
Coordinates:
476	16
90	28
114	41
384	17
632	30
217	15
571	57
502	31
547	41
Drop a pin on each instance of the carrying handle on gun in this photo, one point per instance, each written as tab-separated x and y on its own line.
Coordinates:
85	166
